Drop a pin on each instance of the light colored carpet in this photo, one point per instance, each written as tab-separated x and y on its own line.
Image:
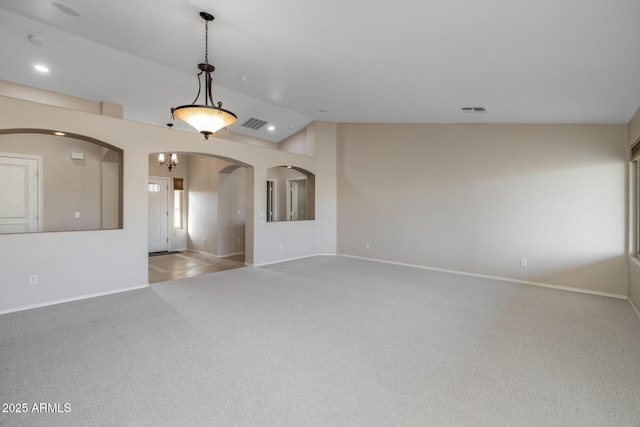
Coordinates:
326	341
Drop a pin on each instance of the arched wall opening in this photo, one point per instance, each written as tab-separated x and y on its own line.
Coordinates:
55	181
291	194
215	196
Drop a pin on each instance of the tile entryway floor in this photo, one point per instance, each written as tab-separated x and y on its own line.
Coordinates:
188	264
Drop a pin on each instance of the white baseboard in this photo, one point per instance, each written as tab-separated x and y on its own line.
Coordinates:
62	301
202	252
287	260
634	308
214	255
503	279
228	255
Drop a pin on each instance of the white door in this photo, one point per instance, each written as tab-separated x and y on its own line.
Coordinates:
19	194
296	199
158	214
293	201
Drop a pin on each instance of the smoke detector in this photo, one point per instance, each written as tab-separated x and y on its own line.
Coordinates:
36	40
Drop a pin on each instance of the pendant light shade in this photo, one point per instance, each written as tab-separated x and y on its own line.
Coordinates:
207	118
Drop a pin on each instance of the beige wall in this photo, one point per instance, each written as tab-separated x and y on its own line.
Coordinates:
203	196
111	188
79	264
15	90
479	198
232	208
634	264
299	143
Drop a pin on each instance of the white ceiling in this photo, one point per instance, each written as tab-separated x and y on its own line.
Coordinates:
409	61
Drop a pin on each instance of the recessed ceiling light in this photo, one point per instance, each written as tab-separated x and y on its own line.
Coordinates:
59	133
243	78
66	9
41	68
289	166
271	128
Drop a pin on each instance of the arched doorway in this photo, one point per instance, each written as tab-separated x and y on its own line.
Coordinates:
211	235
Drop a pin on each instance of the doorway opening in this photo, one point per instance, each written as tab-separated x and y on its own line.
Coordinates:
271	200
205	211
296	199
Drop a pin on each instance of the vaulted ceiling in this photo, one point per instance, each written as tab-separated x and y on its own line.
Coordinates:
289	62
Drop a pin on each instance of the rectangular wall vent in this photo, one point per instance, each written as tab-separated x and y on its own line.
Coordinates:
254	123
474	109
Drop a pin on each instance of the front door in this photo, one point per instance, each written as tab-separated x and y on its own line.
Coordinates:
158	214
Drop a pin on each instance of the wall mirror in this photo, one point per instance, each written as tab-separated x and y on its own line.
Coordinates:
290	194
56	181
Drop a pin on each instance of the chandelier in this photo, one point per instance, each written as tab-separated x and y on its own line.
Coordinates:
207	118
172	158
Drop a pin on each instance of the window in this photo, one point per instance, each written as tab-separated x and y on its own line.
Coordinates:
177	202
177	209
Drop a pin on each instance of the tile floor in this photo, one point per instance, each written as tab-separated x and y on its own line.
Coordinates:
189	264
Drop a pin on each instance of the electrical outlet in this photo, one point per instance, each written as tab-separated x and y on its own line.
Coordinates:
33	279
281	245
523	262
366	245
238	241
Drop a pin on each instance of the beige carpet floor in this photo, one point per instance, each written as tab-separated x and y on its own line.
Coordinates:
326	341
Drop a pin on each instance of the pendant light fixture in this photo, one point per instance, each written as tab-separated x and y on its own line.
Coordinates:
207	118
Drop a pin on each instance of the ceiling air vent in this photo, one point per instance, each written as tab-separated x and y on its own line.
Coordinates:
474	109
254	123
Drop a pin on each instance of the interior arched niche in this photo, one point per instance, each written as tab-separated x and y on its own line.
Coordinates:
290	194
58	182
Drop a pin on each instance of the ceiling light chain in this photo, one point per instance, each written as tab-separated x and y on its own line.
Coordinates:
206	41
